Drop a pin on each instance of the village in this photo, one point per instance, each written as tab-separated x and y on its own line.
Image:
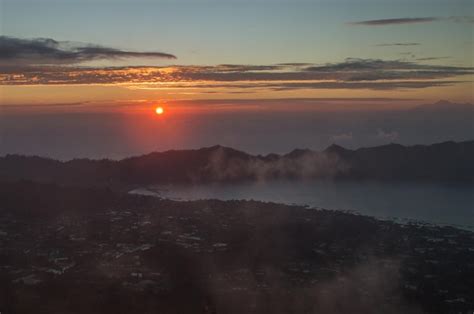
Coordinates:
227	257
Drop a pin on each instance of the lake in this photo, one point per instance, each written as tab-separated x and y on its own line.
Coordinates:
438	203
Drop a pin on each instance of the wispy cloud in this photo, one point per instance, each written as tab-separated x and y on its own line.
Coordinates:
360	85
390	135
432	58
396	21
355	69
41	51
413	20
289	85
342	137
461	19
398	44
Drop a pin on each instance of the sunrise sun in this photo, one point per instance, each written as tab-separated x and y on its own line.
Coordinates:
159	110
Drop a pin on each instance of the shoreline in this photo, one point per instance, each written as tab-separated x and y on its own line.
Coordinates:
164	191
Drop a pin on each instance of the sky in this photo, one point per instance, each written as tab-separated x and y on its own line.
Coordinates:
225	70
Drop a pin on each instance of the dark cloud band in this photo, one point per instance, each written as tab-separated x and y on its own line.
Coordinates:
41	51
414	20
405	20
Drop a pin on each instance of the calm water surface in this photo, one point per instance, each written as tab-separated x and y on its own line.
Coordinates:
451	204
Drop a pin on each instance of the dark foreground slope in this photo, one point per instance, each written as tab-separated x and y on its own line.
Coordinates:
71	250
445	161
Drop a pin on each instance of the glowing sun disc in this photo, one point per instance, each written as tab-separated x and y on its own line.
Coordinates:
159	110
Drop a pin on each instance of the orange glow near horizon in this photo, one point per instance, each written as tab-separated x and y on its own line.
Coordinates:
159	110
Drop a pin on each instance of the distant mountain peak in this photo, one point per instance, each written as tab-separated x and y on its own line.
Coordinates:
217	147
298	152
337	149
214	147
226	151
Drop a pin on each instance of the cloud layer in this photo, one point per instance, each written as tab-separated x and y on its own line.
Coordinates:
42	51
49	62
350	74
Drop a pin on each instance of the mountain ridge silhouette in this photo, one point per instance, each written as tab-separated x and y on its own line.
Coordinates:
436	162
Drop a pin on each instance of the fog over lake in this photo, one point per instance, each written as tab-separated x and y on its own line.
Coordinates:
440	203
